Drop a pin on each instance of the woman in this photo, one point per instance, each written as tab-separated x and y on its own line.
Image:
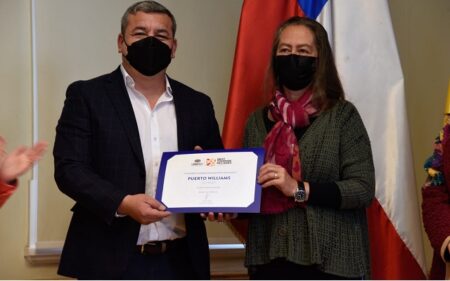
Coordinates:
319	176
436	202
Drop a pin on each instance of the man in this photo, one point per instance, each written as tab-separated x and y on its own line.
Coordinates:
109	140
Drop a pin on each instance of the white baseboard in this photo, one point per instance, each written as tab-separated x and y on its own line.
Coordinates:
227	260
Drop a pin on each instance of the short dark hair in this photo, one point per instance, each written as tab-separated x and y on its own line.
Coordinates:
147	7
327	87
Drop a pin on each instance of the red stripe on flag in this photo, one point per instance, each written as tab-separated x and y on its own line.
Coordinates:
258	23
390	257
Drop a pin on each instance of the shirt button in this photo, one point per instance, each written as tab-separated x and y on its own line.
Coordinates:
282	231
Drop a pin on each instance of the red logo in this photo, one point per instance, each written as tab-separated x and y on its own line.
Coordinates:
210	161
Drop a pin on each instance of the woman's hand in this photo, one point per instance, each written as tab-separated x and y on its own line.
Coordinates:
19	160
277	176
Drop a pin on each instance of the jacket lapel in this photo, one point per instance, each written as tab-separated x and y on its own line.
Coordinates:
183	116
116	90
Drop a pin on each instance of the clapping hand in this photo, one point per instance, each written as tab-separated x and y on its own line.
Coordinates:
17	162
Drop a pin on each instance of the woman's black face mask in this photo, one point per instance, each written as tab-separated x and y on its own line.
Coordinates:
149	55
295	72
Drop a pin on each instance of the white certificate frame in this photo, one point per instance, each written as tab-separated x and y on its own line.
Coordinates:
212	181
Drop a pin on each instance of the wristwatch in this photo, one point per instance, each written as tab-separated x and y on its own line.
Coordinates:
300	193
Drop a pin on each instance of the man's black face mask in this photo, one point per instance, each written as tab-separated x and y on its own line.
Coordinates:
149	55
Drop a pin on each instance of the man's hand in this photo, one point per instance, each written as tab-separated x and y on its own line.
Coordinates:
142	208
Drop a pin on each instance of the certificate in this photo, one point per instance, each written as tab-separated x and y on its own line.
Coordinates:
210	181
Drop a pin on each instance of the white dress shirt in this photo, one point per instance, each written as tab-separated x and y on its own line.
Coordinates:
158	133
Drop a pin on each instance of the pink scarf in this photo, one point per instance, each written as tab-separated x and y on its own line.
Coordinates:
282	148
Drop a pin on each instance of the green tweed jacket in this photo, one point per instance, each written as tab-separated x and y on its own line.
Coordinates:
335	148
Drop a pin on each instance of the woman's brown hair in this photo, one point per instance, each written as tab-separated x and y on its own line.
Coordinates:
327	87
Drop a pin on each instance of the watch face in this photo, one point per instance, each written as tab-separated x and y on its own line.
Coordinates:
299	196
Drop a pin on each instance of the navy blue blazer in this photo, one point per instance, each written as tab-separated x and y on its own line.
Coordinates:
98	161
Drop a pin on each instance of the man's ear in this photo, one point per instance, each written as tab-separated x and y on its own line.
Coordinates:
174	48
121	48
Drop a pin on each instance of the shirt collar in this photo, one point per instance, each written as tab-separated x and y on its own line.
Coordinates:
129	82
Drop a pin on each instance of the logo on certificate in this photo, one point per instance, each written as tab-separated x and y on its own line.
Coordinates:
211	162
197	162
223	161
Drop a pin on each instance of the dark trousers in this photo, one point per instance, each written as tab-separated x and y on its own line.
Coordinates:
174	264
281	269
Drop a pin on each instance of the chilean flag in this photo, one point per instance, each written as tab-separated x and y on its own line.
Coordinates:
363	41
